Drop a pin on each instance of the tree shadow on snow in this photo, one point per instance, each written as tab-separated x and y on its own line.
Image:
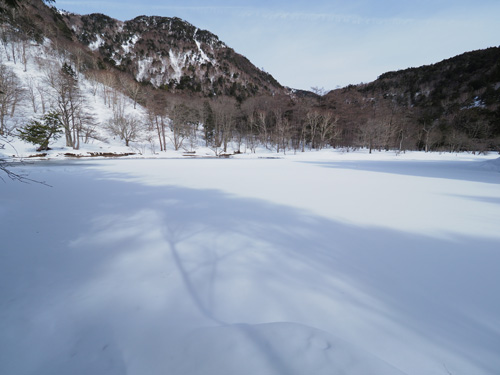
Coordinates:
454	170
139	266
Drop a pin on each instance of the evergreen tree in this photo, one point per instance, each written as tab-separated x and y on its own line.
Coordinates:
41	132
208	123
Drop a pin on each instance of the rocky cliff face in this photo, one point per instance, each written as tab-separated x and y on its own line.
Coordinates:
172	54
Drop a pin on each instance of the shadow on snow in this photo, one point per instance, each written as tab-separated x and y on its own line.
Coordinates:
105	276
454	170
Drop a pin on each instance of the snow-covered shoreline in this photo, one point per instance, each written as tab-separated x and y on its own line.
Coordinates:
19	150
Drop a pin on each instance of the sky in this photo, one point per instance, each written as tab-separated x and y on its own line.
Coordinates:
327	43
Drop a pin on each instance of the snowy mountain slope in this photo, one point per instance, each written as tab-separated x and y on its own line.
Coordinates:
171	53
32	67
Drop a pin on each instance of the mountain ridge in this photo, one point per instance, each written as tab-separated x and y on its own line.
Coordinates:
172	54
461	93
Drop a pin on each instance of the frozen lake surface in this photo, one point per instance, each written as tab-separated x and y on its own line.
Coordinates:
309	264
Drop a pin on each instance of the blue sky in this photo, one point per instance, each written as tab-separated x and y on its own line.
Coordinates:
327	44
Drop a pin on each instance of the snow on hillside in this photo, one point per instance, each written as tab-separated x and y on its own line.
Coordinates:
33	72
98	43
318	263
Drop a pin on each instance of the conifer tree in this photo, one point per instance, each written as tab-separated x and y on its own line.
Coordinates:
41	132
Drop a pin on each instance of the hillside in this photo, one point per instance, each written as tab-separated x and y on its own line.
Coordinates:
452	105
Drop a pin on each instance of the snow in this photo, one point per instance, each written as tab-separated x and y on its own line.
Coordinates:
203	56
97	44
126	47
478	103
40	61
177	62
310	351
316	263
493	165
143	66
156	75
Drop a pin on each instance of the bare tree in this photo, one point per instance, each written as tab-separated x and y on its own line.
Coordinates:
281	130
177	122
32	93
65	91
183	123
43	93
192	137
92	78
85	126
132	88
5	167
10	93
127	127
24	58
252	136
108	85
313	121
327	128
428	130
208	120
248	110
69	102
319	90
224	113
370	132
157	119
428	120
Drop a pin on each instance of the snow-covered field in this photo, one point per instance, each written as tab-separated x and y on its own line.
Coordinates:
319	263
